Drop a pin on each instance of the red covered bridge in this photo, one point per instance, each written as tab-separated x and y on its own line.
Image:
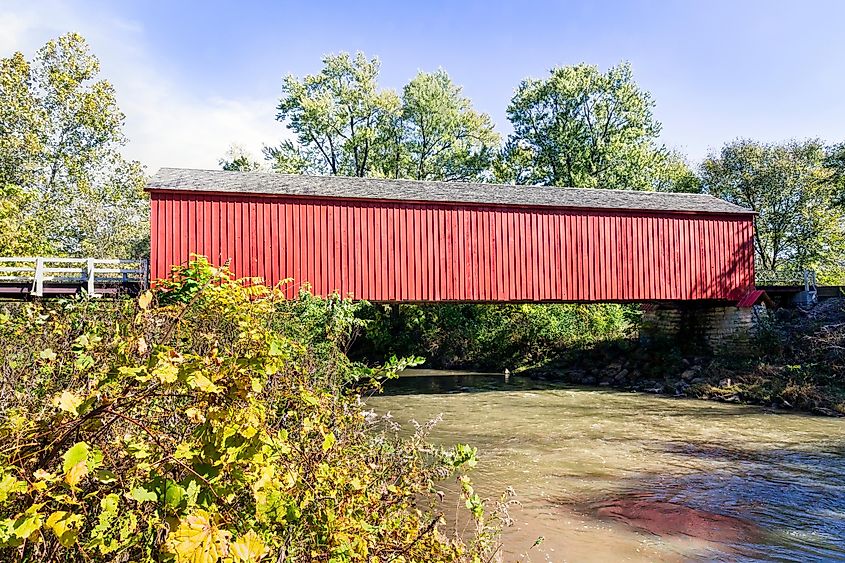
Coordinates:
400	240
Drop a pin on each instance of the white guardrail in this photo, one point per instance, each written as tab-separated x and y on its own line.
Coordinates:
88	273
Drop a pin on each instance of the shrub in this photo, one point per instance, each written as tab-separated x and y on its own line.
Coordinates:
209	422
492	336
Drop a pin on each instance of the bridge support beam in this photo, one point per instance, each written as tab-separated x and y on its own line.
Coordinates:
699	326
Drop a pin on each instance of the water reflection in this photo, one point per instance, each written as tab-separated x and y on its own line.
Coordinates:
610	476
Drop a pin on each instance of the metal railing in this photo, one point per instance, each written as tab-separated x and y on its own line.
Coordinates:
88	273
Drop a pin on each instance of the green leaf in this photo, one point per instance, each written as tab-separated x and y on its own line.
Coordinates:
9	485
328	441
173	494
141	494
75	463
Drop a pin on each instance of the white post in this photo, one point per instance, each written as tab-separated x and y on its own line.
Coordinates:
90	277
38	282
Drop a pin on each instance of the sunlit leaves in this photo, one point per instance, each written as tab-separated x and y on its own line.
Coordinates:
144	300
65	525
198	539
794	191
235	442
584	128
328	441
67	401
9	486
65	187
142	494
75	463
345	124
248	548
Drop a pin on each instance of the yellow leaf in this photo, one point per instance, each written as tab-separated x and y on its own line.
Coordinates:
166	372
64	525
67	402
198	540
76	463
204	384
76	473
195	415
248	548
328	441
145	299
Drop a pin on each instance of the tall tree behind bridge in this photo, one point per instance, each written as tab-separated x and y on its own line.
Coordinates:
793	190
69	189
437	135
587	129
345	124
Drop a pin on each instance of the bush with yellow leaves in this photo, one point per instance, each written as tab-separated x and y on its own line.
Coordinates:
203	422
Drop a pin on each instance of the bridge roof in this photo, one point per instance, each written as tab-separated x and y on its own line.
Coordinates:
268	183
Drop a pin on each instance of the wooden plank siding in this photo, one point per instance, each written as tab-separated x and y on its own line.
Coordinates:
417	252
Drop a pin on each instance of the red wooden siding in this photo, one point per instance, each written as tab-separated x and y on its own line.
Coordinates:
397	251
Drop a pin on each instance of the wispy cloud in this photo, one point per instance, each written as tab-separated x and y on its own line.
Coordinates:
166	122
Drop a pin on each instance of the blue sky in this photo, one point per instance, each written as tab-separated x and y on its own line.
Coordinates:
193	77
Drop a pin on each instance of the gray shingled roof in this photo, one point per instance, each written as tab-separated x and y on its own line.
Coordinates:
183	179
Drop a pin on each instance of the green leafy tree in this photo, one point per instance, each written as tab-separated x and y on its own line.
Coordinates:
835	161
793	192
439	135
291	158
344	124
583	128
335	113
238	159
60	140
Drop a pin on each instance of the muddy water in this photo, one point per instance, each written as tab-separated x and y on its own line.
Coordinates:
614	476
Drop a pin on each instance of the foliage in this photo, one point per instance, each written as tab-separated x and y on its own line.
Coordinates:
183	427
489	336
798	226
835	162
587	129
238	159
344	124
60	135
438	136
336	112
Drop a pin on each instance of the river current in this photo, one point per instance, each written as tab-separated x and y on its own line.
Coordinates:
606	475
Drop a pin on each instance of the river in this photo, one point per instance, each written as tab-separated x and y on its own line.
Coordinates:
613	476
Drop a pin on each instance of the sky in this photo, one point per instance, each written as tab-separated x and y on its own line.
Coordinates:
195	77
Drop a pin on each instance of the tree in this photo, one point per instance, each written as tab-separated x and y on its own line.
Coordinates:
439	134
60	136
792	190
583	128
238	159
345	124
335	113
835	161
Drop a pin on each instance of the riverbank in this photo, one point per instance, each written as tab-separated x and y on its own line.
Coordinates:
795	361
